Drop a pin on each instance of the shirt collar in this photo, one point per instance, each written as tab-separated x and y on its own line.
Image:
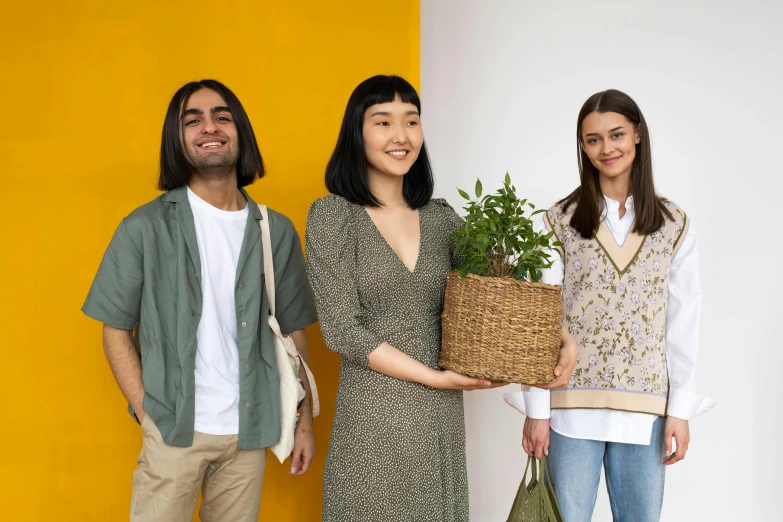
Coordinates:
180	195
614	206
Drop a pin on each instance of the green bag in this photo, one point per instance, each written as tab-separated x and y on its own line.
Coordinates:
536	502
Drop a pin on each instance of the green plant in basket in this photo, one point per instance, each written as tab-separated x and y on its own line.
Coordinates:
499	239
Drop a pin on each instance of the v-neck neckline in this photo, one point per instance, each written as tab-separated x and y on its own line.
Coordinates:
622	257
394	252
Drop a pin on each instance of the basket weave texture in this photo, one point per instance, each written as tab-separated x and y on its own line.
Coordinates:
501	329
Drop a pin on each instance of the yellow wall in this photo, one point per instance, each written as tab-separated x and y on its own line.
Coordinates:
84	89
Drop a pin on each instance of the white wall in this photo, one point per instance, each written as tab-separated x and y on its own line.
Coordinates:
502	83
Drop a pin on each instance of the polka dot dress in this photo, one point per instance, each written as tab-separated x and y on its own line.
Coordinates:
397	451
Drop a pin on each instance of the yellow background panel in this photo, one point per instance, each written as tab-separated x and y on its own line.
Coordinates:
84	90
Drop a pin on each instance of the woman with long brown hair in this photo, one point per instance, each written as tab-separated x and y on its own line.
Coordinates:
629	266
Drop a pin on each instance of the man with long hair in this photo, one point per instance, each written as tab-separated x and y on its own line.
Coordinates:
180	292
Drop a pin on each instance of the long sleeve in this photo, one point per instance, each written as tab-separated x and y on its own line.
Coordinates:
295	307
531	401
330	242
682	331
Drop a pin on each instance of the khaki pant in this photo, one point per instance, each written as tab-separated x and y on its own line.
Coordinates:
167	479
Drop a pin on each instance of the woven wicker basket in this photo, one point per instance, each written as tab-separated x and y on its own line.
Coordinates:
501	329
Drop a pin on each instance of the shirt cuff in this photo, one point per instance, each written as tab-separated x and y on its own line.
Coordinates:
531	402
687	405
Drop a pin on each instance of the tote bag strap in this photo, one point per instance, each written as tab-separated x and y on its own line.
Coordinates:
269	267
269	280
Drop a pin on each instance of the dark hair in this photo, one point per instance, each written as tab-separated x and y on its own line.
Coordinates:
175	171
346	172
650	209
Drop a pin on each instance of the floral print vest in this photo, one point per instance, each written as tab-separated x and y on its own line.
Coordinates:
614	304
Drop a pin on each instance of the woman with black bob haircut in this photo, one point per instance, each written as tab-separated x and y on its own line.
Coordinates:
378	253
175	170
347	170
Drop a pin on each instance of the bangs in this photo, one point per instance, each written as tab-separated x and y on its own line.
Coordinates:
384	89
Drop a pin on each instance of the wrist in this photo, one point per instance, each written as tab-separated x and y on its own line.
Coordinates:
305	420
433	378
138	409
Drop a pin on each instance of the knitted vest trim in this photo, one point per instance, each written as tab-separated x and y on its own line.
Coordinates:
622	257
597	398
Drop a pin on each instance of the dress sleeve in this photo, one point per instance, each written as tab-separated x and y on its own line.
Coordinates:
453	222
330	243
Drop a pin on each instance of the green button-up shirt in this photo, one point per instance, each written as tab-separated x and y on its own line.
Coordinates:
150	278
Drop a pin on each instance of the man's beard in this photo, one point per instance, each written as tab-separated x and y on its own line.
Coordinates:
214	166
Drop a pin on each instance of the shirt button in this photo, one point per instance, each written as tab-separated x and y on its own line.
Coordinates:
241	285
247	365
247	404
244	324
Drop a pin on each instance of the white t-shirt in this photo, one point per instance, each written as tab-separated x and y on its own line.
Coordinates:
219	234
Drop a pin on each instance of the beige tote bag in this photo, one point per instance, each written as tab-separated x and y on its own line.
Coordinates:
288	360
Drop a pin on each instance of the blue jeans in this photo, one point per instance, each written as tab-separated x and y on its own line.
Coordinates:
634	476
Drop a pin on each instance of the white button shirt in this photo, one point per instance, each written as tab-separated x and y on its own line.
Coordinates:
682	346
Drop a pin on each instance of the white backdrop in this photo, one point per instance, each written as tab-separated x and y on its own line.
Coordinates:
502	83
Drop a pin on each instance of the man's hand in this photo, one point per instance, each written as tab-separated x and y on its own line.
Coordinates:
304	444
679	430
535	437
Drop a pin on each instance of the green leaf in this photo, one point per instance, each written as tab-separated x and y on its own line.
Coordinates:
498	238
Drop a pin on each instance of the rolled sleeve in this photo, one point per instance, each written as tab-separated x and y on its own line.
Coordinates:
686	405
294	303
115	295
531	402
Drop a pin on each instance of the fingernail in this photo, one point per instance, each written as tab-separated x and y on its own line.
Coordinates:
293	470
